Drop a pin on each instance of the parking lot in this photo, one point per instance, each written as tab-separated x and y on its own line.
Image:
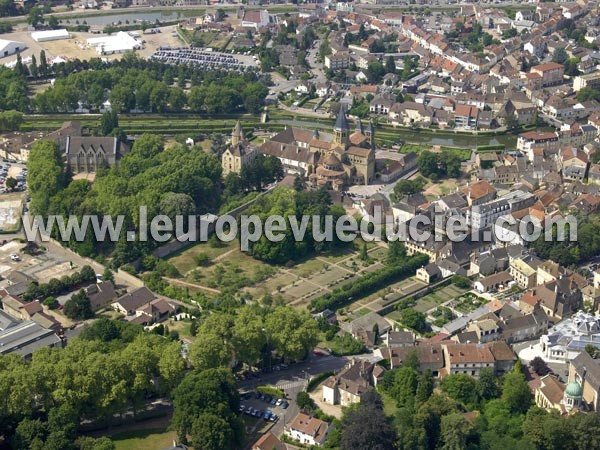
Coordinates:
203	58
258	405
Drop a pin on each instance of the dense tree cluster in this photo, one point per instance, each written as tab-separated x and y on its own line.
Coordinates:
408	187
289	203
250	334
365	426
10	120
439	165
89	380
206	403
13	90
166	180
569	252
131	83
261	171
56	286
78	307
505	418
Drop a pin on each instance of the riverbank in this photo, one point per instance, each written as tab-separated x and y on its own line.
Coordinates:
194	124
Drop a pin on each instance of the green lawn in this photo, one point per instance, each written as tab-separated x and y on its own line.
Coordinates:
152	439
389	404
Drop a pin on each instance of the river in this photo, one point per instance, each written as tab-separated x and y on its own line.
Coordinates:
132	17
425	137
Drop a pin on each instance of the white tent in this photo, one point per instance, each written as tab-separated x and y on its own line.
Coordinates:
8	48
50	35
120	43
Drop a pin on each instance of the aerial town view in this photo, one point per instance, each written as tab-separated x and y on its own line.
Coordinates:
271	225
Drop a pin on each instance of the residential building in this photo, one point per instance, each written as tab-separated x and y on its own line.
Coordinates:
559	298
398	339
493	282
523	273
269	441
546	141
307	430
350	384
530	325
487	330
101	294
471	358
466	117
591	80
429	273
550	394
430	355
338	61
551	73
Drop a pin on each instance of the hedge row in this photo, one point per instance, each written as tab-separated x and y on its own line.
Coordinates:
271	391
315	381
368	283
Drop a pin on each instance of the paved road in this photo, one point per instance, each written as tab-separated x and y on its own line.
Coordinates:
295	372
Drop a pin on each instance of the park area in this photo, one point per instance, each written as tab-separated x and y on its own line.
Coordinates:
431	304
468	302
215	268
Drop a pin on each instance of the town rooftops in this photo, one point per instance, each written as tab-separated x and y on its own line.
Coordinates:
469	353
269	441
539	135
135	299
546	67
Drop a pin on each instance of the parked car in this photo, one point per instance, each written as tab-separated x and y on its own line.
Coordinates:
285	404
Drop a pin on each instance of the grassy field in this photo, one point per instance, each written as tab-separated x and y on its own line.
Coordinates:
185	260
152	439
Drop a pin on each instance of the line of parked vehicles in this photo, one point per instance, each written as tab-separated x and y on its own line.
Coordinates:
21	179
267	415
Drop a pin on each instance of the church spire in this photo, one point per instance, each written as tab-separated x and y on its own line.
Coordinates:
341	124
237	135
359	126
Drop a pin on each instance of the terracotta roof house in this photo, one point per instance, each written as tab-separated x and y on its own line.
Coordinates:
269	441
307	430
550	394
